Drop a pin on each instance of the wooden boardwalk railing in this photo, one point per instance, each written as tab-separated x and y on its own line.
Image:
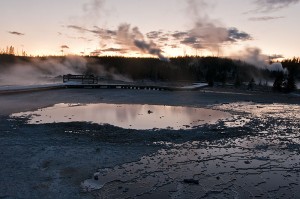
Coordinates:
85	79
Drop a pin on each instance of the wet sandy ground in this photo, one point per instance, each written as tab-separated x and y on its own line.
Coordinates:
256	154
29	101
263	163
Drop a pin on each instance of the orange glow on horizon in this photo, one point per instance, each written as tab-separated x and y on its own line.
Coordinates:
168	52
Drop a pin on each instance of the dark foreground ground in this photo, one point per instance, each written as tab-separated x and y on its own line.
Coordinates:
253	154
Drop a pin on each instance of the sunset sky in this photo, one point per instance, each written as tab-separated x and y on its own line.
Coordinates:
158	28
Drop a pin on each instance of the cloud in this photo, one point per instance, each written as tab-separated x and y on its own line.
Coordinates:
103	33
265	18
95	53
192	41
207	33
149	47
273	5
16	33
179	34
109	50
113	50
275	56
133	39
210	36
154	34
100	32
130	38
84	38
163	39
235	35
159	37
104	36
64	46
79	28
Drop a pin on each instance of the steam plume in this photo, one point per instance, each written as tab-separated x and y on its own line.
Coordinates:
41	71
134	40
255	57
207	33
93	10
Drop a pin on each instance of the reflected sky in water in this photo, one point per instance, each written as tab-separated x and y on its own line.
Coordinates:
129	116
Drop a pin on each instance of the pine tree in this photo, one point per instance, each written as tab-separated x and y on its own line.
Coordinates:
237	81
291	84
277	86
210	75
251	84
11	50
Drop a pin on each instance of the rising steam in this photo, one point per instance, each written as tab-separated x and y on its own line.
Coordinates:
41	71
133	39
255	57
129	38
207	33
93	11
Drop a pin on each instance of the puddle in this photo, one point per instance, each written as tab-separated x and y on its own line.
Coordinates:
127	116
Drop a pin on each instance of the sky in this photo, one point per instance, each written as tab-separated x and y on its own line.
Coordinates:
155	28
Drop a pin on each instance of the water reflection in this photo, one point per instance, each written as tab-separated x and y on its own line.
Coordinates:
261	164
129	116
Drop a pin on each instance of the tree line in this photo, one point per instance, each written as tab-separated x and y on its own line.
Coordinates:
286	82
188	68
11	50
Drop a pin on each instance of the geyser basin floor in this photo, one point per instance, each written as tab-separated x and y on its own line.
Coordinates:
262	163
126	115
47	160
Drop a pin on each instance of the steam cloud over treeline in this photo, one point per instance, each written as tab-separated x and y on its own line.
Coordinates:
207	33
28	70
204	33
133	39
255	57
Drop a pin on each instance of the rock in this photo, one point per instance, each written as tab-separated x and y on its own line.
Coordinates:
191	181
247	162
126	190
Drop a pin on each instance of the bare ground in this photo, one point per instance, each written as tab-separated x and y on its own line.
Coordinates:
53	160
